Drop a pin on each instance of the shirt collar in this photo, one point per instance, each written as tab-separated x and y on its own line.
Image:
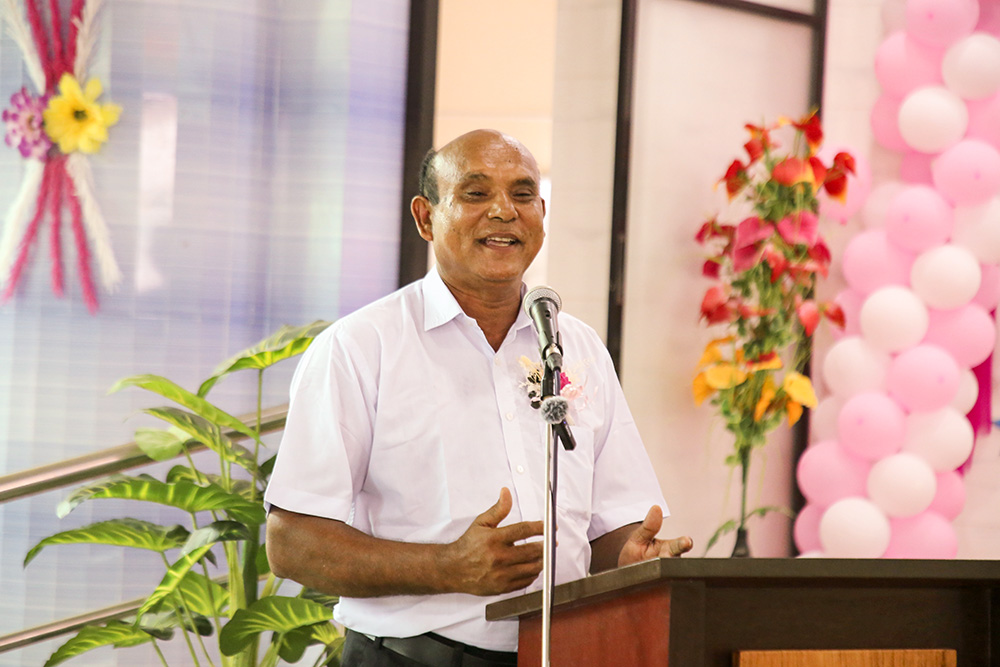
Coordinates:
440	305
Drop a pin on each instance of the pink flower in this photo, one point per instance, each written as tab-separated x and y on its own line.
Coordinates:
800	228
24	125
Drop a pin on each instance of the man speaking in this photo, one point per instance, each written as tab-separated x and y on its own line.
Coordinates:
410	477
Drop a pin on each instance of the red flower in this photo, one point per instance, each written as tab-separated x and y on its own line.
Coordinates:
808	314
715	305
710	269
751	231
820	253
812	130
833	312
793	170
776	260
735	178
800	228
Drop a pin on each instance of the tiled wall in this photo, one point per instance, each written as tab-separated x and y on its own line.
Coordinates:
253	181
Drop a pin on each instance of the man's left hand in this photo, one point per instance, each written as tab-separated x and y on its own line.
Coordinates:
643	545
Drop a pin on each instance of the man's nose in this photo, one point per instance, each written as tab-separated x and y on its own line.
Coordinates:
502	208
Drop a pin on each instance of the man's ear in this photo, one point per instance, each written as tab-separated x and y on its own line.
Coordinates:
420	208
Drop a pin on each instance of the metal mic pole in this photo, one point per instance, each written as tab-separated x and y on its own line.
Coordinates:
548	547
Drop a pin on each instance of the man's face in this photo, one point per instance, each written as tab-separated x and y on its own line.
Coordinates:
487	225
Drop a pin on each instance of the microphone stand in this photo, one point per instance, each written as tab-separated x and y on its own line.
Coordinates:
557	430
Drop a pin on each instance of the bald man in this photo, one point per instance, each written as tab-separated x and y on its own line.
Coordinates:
410	476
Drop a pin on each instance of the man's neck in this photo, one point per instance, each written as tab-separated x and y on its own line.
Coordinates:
495	310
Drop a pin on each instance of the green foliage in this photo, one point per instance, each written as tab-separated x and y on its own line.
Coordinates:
226	513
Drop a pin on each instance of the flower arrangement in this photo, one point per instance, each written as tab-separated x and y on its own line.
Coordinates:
53	131
765	270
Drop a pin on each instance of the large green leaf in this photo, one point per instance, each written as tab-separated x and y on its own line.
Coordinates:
160	444
200	429
276	613
184	398
95	636
161	624
217	531
283	344
199	594
240	487
184	495
172	579
118	532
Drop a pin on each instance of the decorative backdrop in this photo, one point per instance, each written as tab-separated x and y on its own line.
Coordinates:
257	160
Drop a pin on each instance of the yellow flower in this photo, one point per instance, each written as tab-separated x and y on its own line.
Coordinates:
772	364
700	389
724	376
799	389
74	119
712	354
767	393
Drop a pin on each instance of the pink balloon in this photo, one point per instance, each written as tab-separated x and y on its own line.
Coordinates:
871	426
950	497
902	64
885	123
919	218
915	167
806	532
850	301
941	22
988	295
968	173
870	261
989	18
927	535
984	120
968	333
923	378
827	472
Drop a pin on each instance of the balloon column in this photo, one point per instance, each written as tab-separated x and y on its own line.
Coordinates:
882	478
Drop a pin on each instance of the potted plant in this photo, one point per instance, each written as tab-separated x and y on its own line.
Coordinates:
226	515
762	303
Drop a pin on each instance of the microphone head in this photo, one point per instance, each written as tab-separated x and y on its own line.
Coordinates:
539	293
554	409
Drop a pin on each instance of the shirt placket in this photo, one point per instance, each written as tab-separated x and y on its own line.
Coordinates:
524	496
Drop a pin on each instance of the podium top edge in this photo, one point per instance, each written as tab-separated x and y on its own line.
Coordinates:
757	572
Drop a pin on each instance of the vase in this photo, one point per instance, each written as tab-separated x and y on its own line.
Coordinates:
742	547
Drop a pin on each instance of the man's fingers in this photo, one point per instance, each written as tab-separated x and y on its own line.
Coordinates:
521	531
650	525
492	517
680	545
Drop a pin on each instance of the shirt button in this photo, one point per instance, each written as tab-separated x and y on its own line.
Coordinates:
510	416
520	469
496	361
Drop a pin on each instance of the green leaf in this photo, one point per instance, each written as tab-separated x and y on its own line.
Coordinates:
283	344
171	580
727	527
276	613
187	496
263	565
293	644
198	594
117	633
200	429
184	398
217	531
161	625
317	596
118	532
159	444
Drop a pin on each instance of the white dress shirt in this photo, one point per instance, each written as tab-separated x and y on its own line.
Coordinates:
405	424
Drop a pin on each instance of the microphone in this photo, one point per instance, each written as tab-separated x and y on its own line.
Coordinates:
542	304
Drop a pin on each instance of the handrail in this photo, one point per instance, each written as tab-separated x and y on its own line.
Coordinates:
112	460
41	633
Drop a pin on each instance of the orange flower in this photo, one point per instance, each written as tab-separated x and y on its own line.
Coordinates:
793	170
767	394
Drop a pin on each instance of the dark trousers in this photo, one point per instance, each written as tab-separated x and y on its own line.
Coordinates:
360	651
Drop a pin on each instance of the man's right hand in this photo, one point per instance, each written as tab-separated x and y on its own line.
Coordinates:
487	559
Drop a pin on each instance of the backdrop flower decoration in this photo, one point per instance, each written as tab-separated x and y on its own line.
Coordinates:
54	130
765	270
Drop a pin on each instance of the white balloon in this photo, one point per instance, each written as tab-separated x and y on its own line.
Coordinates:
875	206
902	485
893	318
971	66
932	119
943	438
946	277
823	419
977	229
968	392
852	365
854	528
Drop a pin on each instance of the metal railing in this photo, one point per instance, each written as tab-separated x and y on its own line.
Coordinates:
84	468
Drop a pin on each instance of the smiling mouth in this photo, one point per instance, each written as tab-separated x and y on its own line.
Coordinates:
499	241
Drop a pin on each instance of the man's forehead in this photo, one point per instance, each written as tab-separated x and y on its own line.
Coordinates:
476	155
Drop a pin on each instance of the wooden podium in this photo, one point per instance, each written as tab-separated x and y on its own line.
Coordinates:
701	612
